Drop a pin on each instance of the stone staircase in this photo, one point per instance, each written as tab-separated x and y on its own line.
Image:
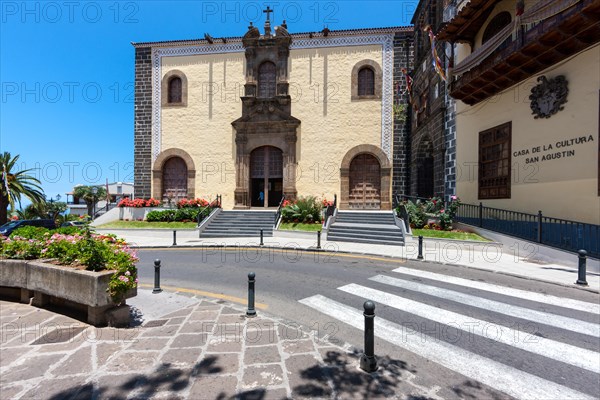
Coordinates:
374	227
240	223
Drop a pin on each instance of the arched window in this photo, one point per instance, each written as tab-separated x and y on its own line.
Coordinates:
267	79
366	82
496	25
175	88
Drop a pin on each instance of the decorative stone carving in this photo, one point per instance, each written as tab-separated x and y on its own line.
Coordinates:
548	97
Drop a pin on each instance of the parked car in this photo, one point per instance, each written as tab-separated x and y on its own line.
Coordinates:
9	227
74	223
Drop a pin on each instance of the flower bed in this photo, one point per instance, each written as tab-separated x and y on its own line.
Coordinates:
432	214
100	263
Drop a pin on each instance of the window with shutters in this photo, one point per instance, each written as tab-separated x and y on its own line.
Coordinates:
494	162
175	90
366	82
267	80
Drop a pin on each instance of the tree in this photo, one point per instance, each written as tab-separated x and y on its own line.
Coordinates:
15	184
45	210
86	194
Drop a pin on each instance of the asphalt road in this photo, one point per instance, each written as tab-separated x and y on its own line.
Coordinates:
285	277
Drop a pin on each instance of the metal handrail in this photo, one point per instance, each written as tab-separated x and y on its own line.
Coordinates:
330	210
278	213
555	232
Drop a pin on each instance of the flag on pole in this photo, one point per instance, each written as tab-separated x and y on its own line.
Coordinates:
435	59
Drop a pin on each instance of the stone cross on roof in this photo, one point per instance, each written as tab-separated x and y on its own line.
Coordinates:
268	11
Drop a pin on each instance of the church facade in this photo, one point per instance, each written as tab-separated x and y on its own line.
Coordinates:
273	114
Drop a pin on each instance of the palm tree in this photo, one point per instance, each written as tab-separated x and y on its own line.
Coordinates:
14	184
87	194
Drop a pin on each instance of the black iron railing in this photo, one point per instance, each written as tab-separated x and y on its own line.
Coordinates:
555	232
330	210
278	213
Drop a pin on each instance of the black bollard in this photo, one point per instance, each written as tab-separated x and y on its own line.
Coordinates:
157	288
318	239
368	362
420	256
262	243
251	312
581	278
174	238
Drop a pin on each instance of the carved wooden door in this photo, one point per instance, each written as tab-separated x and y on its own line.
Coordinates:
174	180
365	183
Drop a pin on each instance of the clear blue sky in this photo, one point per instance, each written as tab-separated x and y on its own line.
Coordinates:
67	71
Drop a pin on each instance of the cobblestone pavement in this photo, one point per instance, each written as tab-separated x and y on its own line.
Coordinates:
207	349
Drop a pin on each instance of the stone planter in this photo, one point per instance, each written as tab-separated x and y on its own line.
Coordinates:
84	289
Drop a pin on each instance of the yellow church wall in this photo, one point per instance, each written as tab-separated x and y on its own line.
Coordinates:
330	128
566	187
320	88
203	128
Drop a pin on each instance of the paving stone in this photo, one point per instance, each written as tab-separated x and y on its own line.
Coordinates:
256	376
10	355
298	346
64	388
189	340
218	364
181	356
260	337
166	378
61	347
31	367
118	386
207	305
198	327
218	345
105	350
213	387
175	321
262	355
208	315
149	344
229	310
231	319
132	361
291	332
10	392
179	313
161	331
235	330
78	363
307	377
113	334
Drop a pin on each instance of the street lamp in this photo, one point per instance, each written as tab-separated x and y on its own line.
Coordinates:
94	192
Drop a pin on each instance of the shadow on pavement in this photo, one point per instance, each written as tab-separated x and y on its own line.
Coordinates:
341	373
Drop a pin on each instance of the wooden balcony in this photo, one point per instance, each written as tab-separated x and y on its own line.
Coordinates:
547	43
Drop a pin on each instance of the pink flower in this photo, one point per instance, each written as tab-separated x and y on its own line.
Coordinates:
127	273
453	197
123	278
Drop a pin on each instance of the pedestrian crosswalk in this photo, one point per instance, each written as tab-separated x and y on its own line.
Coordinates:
568	342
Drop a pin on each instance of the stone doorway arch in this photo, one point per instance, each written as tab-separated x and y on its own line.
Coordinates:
365	179
173	176
266	176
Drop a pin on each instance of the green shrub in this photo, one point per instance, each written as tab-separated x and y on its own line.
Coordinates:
21	249
30	232
305	210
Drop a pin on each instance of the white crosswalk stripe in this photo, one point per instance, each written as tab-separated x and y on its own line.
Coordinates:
516	380
509	380
570	324
573	355
507	291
